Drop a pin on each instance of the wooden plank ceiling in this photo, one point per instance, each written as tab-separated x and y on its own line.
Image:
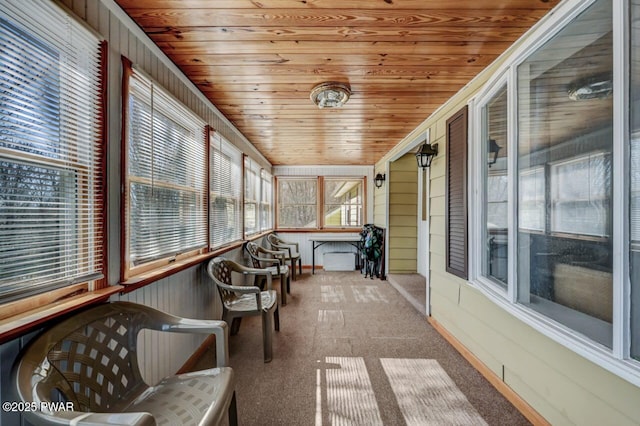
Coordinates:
257	61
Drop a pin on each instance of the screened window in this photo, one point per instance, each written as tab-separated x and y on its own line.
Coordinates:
297	202
51	159
225	197
165	196
343	202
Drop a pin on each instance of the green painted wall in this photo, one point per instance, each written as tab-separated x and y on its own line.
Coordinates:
561	385
403	215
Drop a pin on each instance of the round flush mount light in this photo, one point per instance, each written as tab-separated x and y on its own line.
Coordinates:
598	86
331	94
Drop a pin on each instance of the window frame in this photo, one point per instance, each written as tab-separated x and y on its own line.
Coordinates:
127	269
251	196
266	201
316	204
218	143
88	189
616	359
319	204
553	180
360	206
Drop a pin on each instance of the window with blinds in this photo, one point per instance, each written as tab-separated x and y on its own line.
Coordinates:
51	150
165	176
251	196
225	192
266	200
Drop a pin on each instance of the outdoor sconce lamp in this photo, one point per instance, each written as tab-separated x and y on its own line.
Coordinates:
494	148
379	180
425	154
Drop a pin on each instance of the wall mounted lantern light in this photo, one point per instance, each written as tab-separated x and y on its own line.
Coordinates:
425	154
494	148
379	180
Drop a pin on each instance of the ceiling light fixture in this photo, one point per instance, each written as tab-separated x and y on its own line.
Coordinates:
597	86
330	94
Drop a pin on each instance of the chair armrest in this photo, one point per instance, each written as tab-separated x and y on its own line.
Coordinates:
282	248
269	260
80	418
166	322
293	244
218	328
246	270
290	243
264	273
277	253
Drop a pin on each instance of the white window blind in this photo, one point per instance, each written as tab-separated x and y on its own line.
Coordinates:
580	195
166	175
225	198
251	196
266	200
634	177
532	209
51	173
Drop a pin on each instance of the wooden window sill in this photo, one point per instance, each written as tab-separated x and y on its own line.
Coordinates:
19	324
156	274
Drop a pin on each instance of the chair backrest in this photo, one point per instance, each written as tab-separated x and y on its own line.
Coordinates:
254	253
274	240
220	272
89	359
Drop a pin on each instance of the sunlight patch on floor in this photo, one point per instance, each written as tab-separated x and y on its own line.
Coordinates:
426	395
350	397
332	294
368	293
330	318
